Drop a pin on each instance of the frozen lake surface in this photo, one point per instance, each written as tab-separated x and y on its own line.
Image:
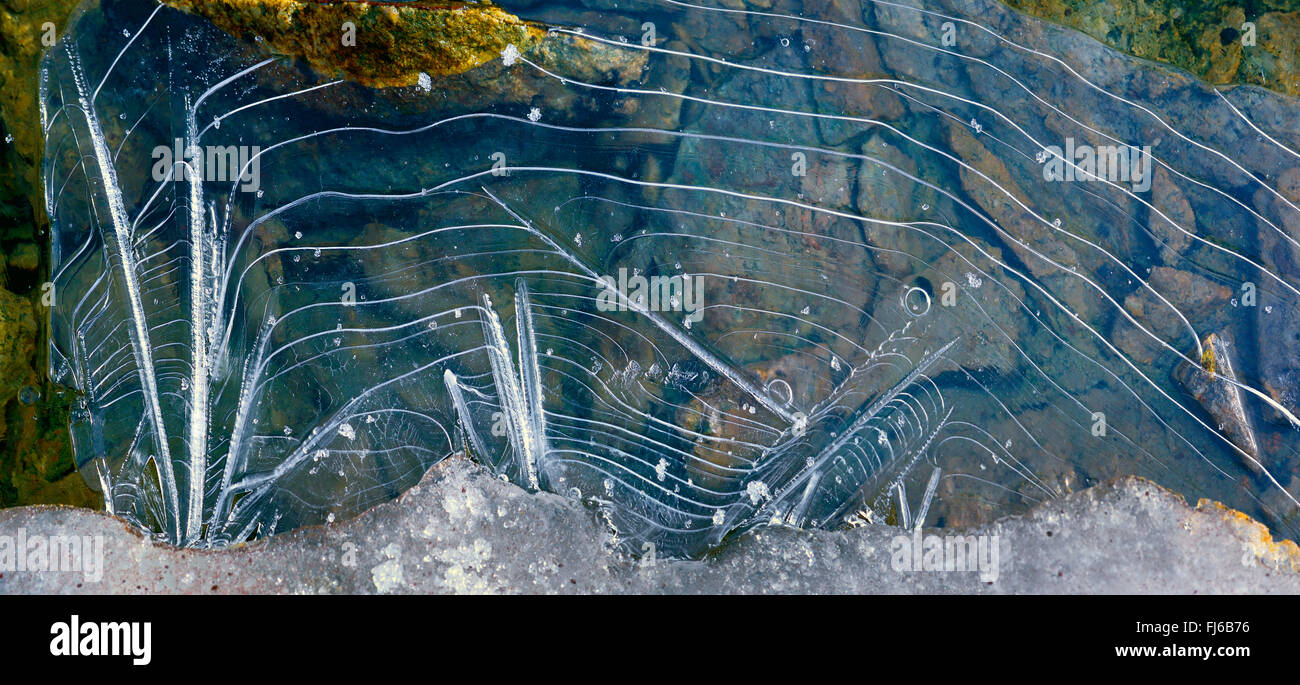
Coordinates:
706	268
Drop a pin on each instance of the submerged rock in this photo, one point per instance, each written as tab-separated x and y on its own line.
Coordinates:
387	45
1207	39
1279	331
378	45
1212	384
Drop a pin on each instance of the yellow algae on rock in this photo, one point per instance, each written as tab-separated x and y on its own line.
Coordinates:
1258	544
1207	355
1221	42
373	44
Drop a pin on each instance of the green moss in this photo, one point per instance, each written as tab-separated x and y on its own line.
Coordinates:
36	465
22	30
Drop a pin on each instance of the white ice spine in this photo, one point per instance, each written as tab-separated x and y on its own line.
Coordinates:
514	406
120	242
198	406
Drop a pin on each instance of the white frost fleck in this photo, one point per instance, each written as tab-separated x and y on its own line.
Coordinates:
510	55
468	568
388	575
460	505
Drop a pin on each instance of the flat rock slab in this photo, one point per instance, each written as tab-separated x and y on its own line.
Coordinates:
463	531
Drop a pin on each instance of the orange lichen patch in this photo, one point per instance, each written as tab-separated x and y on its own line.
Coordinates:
1258	542
378	45
1207	355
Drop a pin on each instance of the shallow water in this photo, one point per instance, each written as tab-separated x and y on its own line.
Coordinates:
874	305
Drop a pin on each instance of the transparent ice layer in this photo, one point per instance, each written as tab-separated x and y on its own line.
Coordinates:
706	268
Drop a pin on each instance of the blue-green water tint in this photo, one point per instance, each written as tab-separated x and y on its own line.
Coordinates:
899	318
